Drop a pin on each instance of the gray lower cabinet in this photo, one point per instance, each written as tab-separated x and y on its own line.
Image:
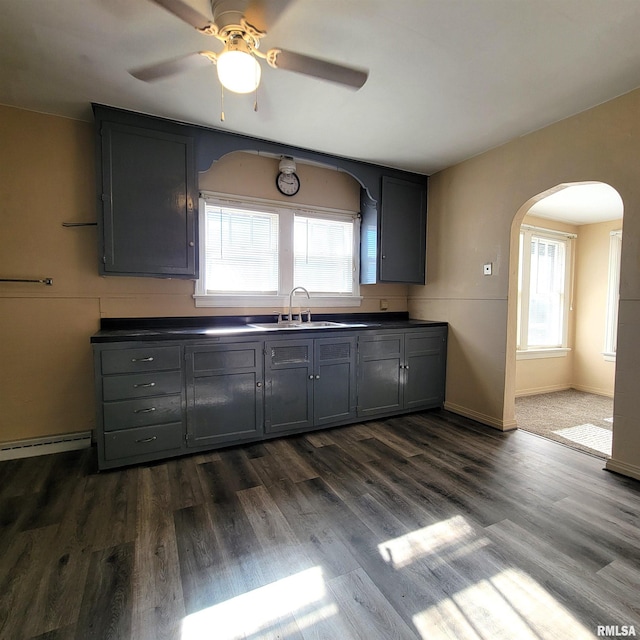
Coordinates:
140	400
401	371
309	383
224	393
161	399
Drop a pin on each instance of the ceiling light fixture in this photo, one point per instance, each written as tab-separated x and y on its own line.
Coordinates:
238	70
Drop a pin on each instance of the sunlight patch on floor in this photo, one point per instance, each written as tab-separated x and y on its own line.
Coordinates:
257	611
508	605
588	435
429	541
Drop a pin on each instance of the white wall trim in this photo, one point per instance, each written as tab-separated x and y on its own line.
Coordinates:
44	446
596	391
536	391
623	468
480	417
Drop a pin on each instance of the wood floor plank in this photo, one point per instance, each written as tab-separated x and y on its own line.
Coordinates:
158	601
312	530
424	525
106	607
367	610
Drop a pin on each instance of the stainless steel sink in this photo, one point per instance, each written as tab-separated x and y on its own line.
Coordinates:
320	324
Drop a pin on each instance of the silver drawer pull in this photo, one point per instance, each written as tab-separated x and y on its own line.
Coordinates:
145	440
149	410
144	384
148	359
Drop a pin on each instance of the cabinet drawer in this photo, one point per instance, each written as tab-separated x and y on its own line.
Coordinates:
128	414
141	441
137	360
137	385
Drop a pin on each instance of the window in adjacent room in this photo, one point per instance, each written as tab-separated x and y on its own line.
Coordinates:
613	295
543	292
254	253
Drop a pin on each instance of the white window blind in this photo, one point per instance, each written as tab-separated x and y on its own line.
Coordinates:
323	255
241	251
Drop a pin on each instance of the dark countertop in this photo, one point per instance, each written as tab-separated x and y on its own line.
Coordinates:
199	327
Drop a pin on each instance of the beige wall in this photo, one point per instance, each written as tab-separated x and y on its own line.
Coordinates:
591	372
475	210
47	177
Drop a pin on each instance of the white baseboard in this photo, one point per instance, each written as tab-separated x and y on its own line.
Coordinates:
623	468
539	390
594	390
44	446
480	417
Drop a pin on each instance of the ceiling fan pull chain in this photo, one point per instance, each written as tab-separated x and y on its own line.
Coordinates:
255	104
221	103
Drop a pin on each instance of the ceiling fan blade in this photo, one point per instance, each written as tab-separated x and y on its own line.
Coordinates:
309	66
186	13
174	66
263	14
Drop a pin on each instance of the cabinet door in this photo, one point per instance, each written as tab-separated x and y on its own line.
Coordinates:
224	393
334	385
289	381
149	198
424	368
403	228
380	357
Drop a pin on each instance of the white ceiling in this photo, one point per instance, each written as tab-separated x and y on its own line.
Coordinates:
584	203
448	78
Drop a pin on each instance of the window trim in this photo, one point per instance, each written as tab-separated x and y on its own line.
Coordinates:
613	296
535	352
276	302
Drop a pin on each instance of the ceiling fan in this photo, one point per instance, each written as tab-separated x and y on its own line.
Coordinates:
240	25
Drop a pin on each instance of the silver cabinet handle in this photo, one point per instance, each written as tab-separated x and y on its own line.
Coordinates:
149	410
258	384
311	377
144	440
318	377
144	384
148	359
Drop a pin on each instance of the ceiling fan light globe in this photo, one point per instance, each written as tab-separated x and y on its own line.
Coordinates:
238	71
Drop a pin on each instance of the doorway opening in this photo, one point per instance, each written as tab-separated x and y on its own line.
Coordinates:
568	257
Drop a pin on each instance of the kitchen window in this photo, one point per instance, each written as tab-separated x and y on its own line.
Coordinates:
543	292
254	252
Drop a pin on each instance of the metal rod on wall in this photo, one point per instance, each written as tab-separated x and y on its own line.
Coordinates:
47	281
79	224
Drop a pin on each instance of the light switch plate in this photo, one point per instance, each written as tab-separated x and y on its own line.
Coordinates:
487	269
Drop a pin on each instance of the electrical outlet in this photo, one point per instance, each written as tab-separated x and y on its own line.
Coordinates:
487	269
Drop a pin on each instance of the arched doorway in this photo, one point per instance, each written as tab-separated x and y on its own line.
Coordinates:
565	248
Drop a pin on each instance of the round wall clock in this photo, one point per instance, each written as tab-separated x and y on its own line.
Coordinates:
288	183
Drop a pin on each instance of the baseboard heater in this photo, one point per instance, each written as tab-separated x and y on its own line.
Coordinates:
43	446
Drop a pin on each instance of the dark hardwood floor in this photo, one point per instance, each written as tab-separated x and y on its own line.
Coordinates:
424	526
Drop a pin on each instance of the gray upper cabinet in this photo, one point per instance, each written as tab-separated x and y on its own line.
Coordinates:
148	197
403	229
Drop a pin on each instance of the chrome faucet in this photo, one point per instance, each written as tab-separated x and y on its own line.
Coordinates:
308	312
